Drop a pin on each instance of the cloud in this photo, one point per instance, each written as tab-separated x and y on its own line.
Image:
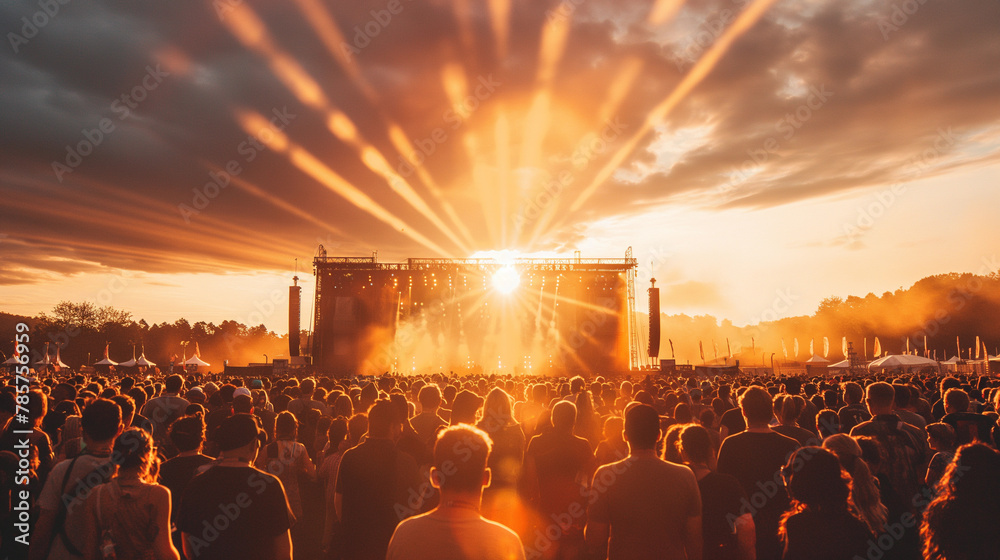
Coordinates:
813	101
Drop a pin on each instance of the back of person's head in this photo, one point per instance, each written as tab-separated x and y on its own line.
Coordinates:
789	407
173	383
756	405
943	434
337	432
101	420
497	409
576	384
961	521
815	480
682	413
901	396
187	432
613	427
285	425
853	393
865	492
357	426
307	387
242	403
828	423
38	405
696	444
880	395
429	397
956	400
642	427
564	416
128	408
381	418
133	449
460	455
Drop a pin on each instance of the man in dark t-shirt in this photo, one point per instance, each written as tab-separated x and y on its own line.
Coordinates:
644	507
377	487
755	458
232	510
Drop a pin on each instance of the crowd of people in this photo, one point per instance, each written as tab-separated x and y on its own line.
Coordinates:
502	467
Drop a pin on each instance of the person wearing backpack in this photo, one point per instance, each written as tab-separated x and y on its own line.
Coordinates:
59	531
128	518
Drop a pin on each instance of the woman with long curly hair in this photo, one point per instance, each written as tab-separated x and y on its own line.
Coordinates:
961	523
130	515
865	492
820	524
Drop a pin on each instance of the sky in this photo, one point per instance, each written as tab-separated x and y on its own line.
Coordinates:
186	159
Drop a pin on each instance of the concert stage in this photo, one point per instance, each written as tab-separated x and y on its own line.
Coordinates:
523	316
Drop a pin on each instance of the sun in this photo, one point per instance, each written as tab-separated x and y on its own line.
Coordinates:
506	280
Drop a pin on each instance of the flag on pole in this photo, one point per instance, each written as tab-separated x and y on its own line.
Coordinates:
826	347
927	351
812	347
796	348
866	348
977	347
729	348
701	350
107	346
784	348
958	345
671	348
907	345
877	352
843	346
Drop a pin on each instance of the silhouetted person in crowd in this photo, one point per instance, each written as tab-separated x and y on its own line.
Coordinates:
188	436
820	524
455	529
59	531
755	457
727	531
163	410
131	513
374	482
557	466
961	522
427	423
644	507
231	509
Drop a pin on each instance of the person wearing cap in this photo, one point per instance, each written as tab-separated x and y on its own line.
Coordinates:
231	509
643	506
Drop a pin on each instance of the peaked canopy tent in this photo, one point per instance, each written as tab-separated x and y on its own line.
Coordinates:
143	362
195	361
905	361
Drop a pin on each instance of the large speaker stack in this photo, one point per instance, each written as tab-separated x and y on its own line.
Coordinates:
653	349
294	307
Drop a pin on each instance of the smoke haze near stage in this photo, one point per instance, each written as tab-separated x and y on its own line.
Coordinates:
522	316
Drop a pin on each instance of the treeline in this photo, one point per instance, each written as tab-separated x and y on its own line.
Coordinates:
81	331
942	308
